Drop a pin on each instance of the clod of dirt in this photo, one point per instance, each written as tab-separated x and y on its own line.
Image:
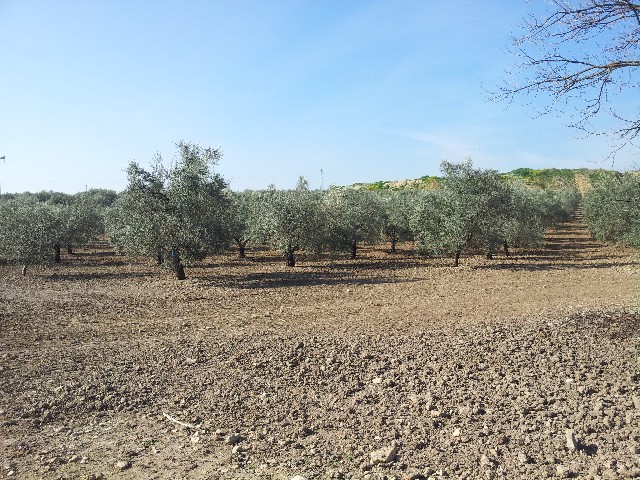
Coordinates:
233	439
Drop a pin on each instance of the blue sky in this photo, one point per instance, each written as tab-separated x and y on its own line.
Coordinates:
363	91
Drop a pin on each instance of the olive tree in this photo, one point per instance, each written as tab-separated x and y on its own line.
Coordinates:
80	223
428	222
612	209
291	220
136	222
558	204
242	220
524	223
98	200
175	212
397	208
354	216
28	232
475	209
76	221
471	205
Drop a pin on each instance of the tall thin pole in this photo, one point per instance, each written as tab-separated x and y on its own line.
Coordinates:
3	158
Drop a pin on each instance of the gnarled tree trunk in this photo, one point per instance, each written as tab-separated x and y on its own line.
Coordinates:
180	275
56	258
291	258
457	258
177	264
392	235
242	244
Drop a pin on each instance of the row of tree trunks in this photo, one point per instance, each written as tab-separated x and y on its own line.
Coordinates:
505	245
290	256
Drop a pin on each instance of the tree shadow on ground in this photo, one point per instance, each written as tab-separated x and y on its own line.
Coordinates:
385	264
79	277
297	279
568	247
558	265
95	253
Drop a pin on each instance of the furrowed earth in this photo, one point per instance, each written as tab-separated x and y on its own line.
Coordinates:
387	366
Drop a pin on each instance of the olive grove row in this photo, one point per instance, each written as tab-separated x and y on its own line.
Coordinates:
612	209
180	213
35	227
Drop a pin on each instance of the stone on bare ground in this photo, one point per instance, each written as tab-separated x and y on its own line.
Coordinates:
238	449
414	475
122	465
572	443
384	455
485	461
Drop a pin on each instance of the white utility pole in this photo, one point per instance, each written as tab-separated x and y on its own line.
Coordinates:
3	160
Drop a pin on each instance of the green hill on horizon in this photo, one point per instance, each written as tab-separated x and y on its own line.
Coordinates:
581	178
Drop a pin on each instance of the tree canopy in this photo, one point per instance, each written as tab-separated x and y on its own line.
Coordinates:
175	212
292	220
612	209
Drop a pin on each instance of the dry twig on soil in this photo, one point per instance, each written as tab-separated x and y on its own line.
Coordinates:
184	424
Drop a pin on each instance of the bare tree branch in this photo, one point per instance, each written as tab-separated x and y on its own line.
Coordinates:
582	55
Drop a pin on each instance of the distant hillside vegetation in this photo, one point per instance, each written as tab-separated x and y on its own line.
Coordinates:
581	178
422	183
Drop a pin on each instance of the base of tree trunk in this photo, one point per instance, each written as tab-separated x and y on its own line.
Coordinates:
354	250
24	270
457	259
506	248
56	259
180	272
291	259
489	255
241	252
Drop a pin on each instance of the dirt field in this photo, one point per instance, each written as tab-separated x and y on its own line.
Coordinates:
389	366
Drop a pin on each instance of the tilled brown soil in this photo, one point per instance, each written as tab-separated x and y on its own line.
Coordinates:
389	366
